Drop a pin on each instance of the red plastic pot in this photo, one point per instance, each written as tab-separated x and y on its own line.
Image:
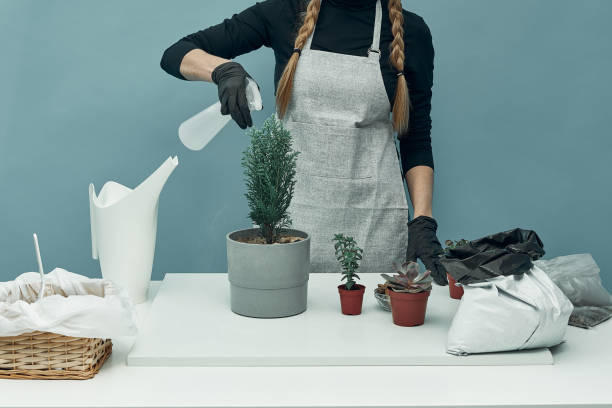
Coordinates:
408	309
456	292
351	300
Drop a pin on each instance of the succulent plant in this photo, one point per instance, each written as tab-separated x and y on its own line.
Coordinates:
409	279
382	288
349	255
450	244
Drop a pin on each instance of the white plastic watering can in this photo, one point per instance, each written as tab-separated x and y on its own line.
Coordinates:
124	227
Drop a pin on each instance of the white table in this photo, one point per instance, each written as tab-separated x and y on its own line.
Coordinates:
190	324
581	376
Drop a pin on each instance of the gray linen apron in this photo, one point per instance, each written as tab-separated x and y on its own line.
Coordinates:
348	172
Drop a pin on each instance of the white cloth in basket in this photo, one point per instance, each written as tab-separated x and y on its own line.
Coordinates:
74	305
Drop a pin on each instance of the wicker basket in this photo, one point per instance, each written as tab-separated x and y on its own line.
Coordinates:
50	356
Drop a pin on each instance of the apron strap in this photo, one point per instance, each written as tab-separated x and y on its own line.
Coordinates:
375	47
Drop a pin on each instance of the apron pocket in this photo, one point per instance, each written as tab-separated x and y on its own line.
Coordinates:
333	151
334	193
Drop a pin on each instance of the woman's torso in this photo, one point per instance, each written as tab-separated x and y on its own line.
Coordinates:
344	30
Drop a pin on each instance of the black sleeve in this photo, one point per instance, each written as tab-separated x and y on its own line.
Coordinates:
415	146
244	32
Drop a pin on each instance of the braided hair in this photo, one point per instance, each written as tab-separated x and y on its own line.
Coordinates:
401	105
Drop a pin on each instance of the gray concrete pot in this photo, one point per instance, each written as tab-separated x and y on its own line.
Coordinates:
268	280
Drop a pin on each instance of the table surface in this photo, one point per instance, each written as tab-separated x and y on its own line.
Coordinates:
581	376
191	324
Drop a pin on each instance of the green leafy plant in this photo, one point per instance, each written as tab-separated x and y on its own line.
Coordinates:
269	168
349	255
450	244
408	279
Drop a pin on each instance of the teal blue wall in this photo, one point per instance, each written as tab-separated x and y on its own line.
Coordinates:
521	125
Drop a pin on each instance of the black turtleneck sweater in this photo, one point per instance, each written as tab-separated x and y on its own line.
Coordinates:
344	26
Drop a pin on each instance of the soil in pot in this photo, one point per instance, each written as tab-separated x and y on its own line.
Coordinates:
456	292
261	240
408	309
351	300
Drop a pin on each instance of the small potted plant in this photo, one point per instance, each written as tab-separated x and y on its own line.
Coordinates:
408	291
349	255
268	266
456	292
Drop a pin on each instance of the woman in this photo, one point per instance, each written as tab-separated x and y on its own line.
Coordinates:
342	68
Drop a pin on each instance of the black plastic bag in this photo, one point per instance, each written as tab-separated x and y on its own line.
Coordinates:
505	253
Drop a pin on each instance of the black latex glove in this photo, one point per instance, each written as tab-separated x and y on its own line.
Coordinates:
230	78
423	244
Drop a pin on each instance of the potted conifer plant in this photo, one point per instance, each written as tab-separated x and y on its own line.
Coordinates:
408	292
349	255
268	266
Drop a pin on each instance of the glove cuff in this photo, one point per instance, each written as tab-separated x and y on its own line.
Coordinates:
232	68
423	219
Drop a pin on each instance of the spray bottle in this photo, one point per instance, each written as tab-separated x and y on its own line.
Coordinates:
197	131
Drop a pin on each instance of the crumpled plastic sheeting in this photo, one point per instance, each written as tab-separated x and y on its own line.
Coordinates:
502	254
578	277
74	305
509	313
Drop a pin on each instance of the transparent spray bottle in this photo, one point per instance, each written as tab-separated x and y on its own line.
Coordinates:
197	131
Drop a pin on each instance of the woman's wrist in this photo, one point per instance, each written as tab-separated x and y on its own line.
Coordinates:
423	212
198	65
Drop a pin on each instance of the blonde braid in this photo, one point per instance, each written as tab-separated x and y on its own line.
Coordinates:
285	84
401	106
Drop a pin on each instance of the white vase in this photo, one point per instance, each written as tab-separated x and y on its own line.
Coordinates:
124	227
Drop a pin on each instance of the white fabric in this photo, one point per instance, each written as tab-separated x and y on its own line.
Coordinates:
74	305
509	313
578	277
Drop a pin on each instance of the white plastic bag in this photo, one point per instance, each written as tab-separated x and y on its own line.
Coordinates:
74	305
578	277
509	313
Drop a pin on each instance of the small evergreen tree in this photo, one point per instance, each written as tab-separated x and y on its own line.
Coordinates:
269	169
